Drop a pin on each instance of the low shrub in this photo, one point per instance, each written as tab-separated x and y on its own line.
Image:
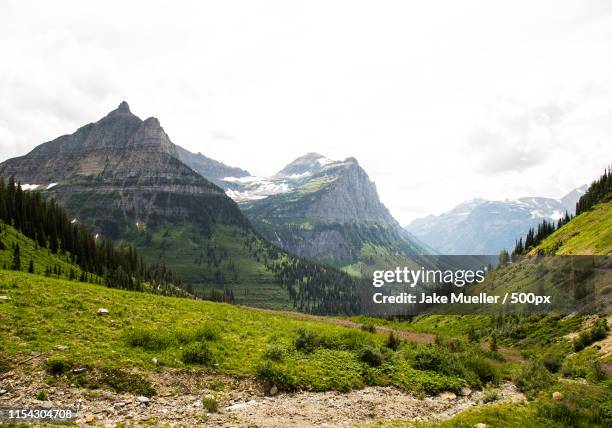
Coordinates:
598	331
428	358
5	364
210	404
208	332
580	405
553	361
468	365
584	365
123	381
151	340
393	342
483	369
274	374
371	356
532	378
197	353
57	366
370	328
275	352
307	341
490	395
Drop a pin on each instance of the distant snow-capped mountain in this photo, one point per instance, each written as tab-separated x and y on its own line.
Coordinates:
251	188
479	226
327	210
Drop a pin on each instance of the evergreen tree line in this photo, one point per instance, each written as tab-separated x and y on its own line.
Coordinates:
599	191
313	287
47	223
536	235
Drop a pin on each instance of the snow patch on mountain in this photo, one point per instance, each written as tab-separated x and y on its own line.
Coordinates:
325	161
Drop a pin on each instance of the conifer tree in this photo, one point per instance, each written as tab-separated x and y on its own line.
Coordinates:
16	258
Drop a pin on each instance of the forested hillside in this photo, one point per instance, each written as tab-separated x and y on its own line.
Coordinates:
66	248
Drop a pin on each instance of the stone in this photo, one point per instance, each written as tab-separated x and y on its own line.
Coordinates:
79	370
557	396
465	392
273	390
447	396
119	404
2	298
90	418
61	347
480	425
143	400
103	311
154	360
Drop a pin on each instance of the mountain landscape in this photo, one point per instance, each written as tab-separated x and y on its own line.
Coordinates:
328	211
121	355
479	226
122	177
87	320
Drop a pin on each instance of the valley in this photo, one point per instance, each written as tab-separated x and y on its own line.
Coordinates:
146	295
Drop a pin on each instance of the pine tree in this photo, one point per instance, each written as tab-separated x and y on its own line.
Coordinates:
504	257
16	258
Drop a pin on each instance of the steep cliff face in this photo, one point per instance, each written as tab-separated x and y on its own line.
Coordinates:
340	192
329	211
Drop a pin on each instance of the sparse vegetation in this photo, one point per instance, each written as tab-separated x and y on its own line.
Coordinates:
599	331
533	378
197	353
210	404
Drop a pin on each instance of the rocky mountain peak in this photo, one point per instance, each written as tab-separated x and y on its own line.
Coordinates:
118	145
123	107
310	163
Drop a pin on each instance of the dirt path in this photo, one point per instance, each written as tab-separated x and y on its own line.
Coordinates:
242	403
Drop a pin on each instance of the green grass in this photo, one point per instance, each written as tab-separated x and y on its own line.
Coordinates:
185	248
43	258
43	313
588	233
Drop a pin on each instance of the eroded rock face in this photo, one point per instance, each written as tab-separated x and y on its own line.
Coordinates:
352	198
332	213
120	170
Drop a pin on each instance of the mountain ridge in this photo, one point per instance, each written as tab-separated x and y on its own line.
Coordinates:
326	210
480	226
122	177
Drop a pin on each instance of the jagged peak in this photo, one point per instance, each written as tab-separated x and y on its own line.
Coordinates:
122	110
152	121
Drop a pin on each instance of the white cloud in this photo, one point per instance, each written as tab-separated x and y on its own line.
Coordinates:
440	101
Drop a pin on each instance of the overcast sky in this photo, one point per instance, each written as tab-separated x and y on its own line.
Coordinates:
440	101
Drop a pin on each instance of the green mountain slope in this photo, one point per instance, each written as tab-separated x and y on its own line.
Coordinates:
43	259
588	233
579	282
